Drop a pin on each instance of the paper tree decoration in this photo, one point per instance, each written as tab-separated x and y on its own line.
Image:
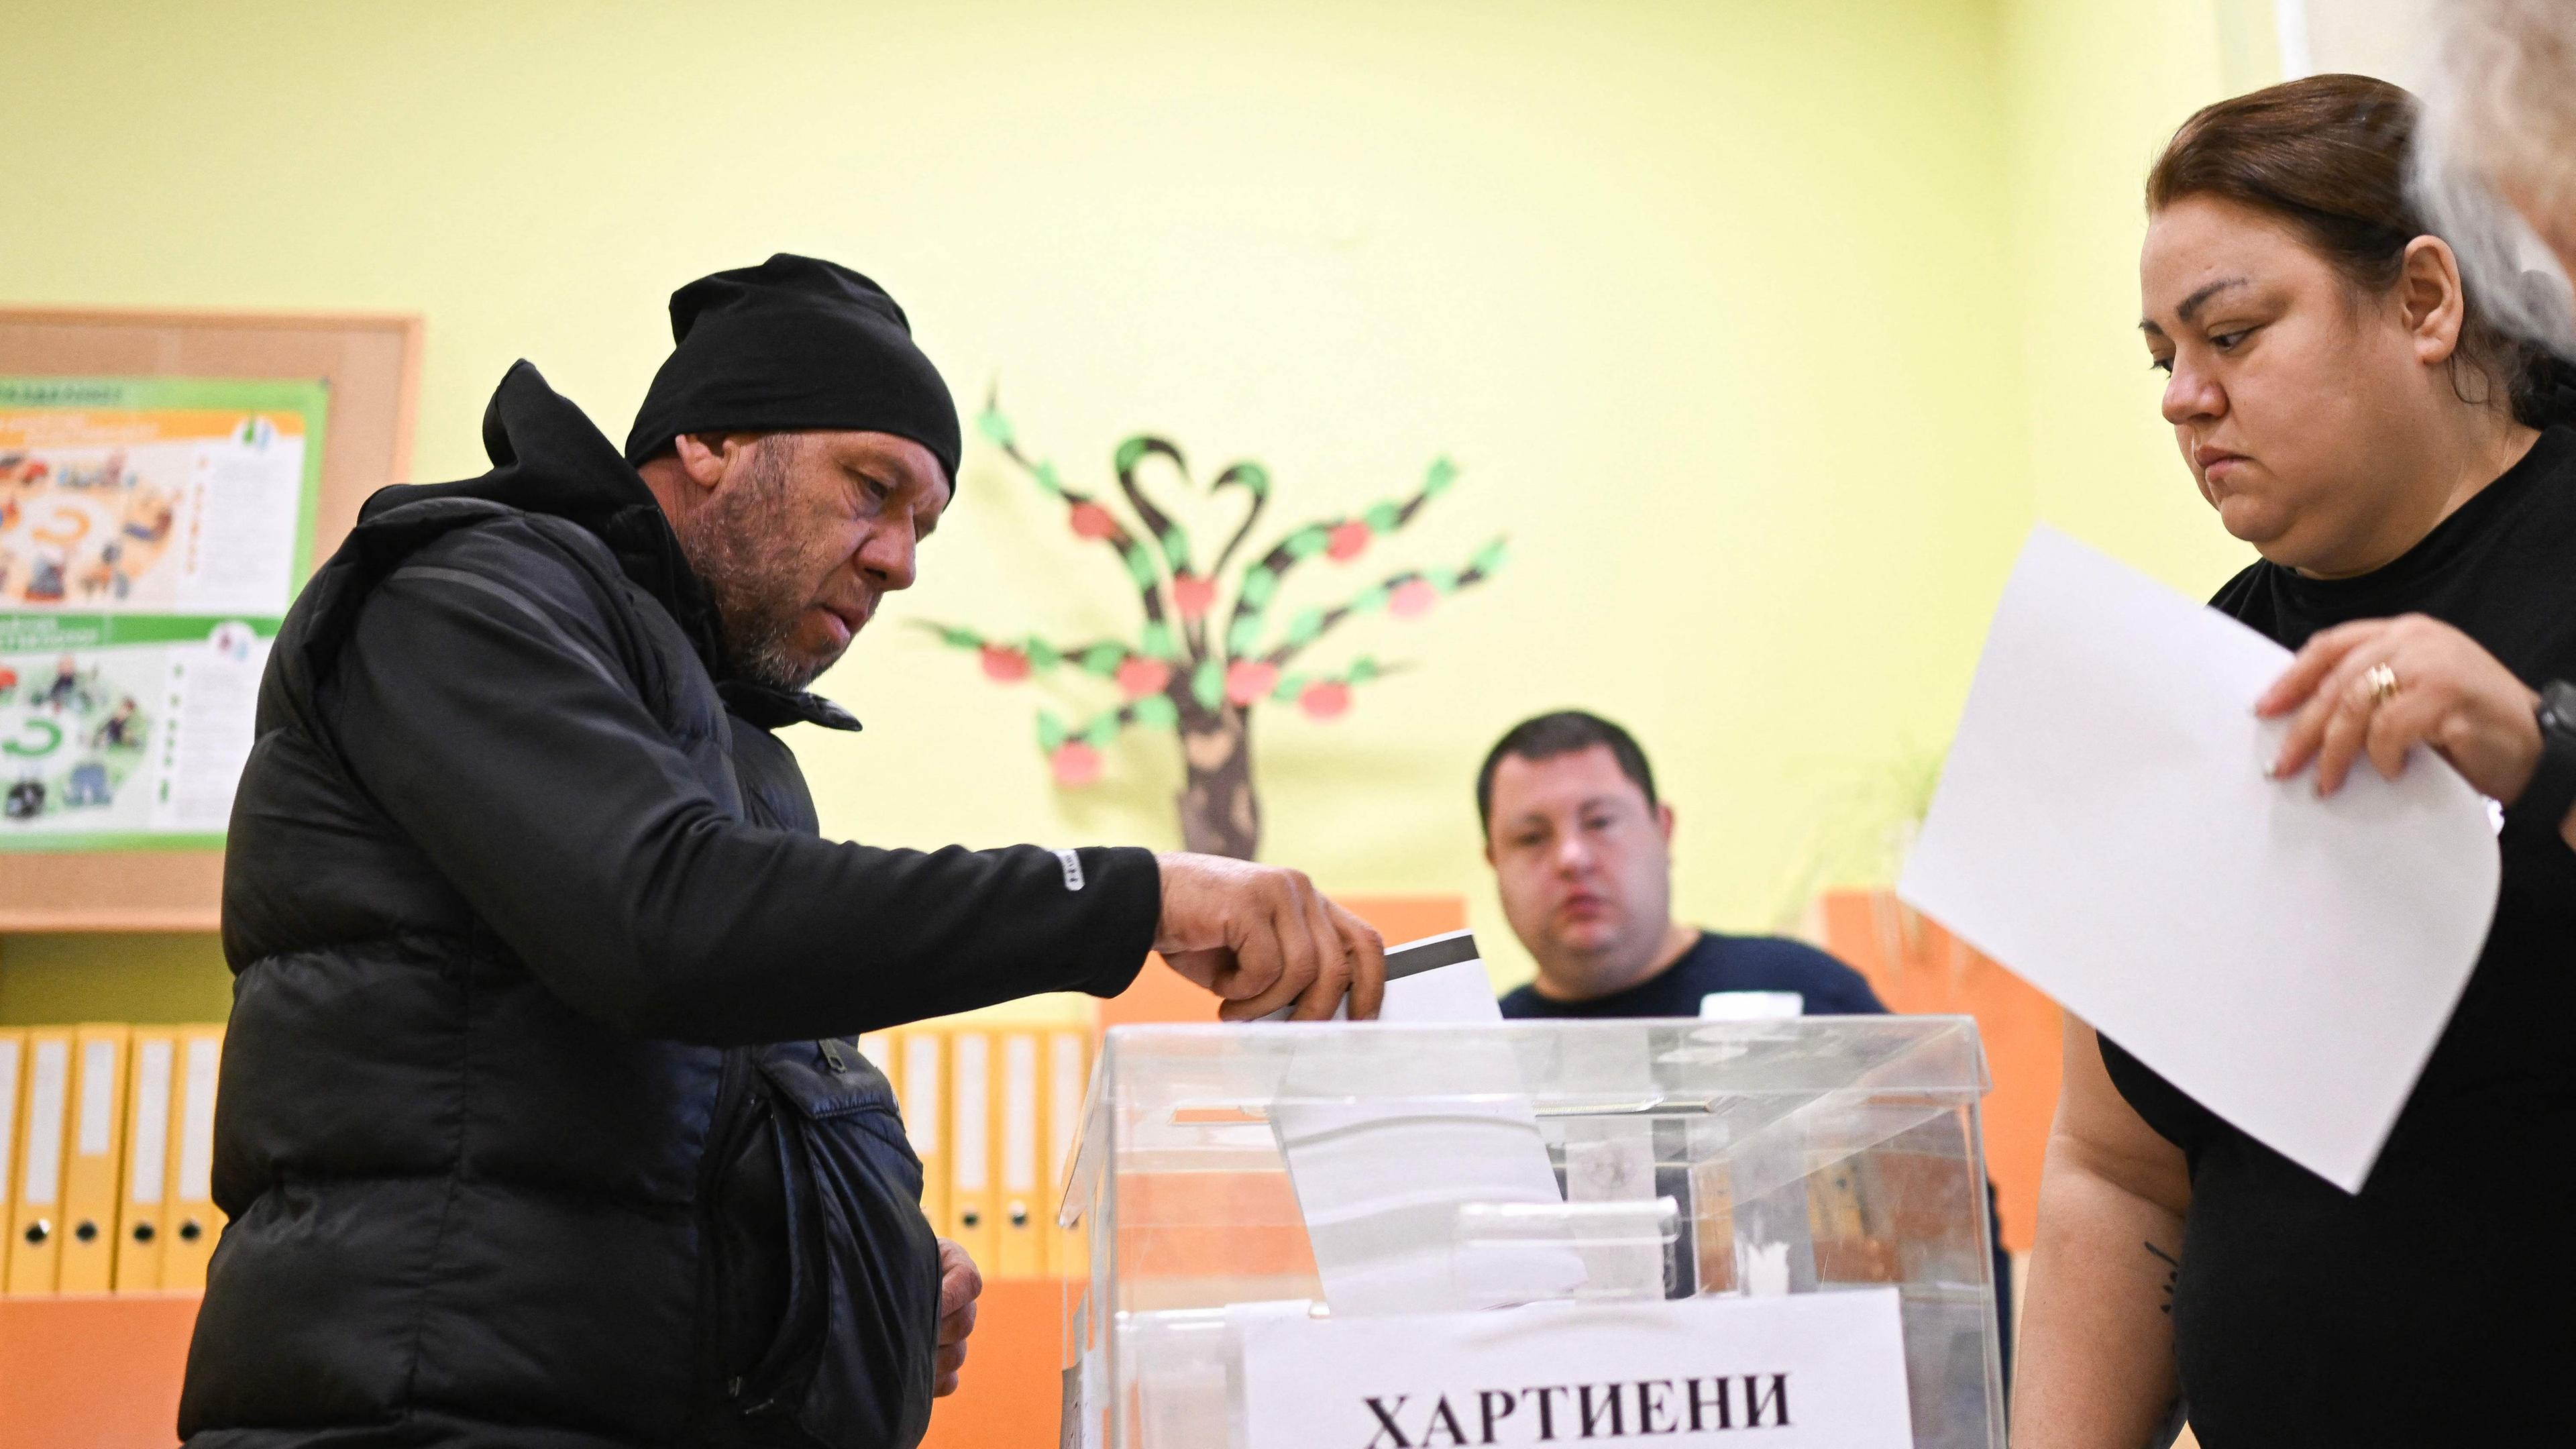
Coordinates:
1213	646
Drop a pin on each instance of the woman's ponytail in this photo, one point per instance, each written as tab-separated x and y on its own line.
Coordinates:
2544	389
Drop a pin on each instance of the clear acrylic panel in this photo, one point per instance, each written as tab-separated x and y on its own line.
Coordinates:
1687	1157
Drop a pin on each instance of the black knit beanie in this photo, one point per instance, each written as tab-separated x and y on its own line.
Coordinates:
793	344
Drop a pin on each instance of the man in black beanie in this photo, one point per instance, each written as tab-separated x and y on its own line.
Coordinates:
541	1123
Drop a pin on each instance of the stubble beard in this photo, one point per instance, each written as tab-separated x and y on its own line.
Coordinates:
742	545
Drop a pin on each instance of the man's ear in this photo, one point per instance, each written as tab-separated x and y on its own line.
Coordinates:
1664	819
2434	299
1489	851
704	457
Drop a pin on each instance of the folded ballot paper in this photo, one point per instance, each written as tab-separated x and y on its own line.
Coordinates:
2105	828
1384	1150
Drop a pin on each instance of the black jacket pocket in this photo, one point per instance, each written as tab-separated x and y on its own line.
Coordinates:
851	1366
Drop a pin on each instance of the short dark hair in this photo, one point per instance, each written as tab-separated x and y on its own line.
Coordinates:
1565	732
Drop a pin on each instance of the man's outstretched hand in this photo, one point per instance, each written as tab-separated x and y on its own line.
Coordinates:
1263	937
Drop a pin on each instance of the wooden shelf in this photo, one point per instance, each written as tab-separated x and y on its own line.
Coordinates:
102	1371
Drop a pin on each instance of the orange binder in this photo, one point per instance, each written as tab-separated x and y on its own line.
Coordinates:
971	1197
921	1082
193	1221
13	1073
90	1187
1018	1090
1068	1079
140	1218
36	1230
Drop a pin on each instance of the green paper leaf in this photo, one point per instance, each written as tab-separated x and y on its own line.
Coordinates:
1042	655
1307	624
1370	602
1140	566
1158	642
1258	585
993	425
1246	633
1176	547
1490	557
1130	451
1207	684
1050	732
1384	517
1445	580
1362	670
1049	479
1253	476
1102	733
1103	659
961	638
1437	481
1290	686
1308	542
1156	710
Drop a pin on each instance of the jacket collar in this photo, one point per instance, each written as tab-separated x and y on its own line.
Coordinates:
548	457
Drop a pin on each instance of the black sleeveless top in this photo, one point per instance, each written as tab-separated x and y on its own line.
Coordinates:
2438	1306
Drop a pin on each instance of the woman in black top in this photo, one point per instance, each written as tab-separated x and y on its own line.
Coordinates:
2346	410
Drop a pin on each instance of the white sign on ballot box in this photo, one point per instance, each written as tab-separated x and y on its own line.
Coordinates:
1806	1371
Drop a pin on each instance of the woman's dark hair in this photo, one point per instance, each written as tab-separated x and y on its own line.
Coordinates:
2329	155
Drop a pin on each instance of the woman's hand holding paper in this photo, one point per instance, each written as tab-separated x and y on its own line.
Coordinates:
2382	686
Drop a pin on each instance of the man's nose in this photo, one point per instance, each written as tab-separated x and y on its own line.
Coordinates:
1574	853
887	557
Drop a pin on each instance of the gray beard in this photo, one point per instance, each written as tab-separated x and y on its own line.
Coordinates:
740	545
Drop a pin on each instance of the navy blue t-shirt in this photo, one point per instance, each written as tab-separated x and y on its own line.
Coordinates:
1762	963
1723	963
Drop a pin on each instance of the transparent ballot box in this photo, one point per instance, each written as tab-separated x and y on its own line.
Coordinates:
1259	1203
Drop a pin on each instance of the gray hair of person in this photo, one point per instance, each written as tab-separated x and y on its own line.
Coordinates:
2499	121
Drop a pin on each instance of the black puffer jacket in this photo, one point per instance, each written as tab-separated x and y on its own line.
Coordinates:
521	893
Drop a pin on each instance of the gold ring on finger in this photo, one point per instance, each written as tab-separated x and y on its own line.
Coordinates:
2381	682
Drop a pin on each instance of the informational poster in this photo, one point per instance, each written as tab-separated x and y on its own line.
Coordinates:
152	534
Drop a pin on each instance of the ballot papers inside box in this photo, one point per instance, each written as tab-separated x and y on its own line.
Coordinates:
1668	1229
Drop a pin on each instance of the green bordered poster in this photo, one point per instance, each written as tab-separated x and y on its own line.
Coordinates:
152	532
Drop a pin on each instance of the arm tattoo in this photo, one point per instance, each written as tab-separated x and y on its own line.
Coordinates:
2173	1271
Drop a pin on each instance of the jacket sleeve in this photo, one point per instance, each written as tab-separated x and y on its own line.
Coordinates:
491	706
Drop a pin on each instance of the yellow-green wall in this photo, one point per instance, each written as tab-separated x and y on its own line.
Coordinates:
1763	328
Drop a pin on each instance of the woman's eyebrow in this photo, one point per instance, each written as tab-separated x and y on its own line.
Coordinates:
2192	304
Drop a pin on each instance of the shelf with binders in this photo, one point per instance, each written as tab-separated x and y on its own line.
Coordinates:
108	1158
93	1366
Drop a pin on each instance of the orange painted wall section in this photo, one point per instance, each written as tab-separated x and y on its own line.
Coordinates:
1917	967
93	1371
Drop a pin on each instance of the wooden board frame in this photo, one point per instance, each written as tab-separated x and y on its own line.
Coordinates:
372	363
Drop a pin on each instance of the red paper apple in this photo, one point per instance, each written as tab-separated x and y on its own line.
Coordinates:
1325	699
1139	677
1347	542
1006	664
1194	594
1247	680
1074	763
1090	520
1413	598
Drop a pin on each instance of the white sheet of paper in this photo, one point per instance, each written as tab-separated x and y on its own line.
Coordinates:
2104	827
1380	1181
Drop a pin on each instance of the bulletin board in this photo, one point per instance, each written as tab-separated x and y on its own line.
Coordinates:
167	482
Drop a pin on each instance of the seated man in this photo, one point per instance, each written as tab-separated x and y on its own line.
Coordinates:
1582	852
1582	856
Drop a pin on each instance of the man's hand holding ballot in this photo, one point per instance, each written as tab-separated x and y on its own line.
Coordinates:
1264	938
